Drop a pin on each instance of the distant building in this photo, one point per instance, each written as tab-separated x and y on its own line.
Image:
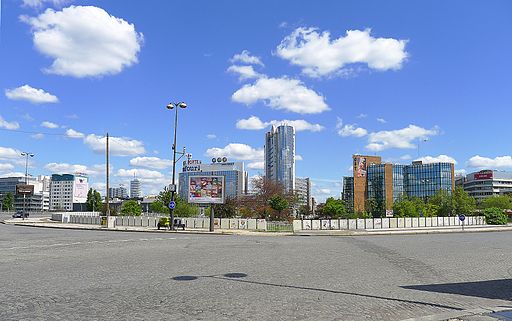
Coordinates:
66	190
385	183
39	201
118	192
348	193
233	172
280	156
303	190
487	183
135	191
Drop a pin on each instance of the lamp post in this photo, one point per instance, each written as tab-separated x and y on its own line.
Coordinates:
171	106
26	155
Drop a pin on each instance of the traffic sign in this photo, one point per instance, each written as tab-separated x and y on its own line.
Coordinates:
172	205
462	217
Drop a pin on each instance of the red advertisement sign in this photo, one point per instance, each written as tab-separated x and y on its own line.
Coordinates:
484	175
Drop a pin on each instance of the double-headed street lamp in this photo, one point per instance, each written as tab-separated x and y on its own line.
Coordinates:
26	155
175	106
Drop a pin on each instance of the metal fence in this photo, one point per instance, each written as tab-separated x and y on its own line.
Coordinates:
279	227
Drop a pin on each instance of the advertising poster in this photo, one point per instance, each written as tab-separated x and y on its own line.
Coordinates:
361	167
206	189
80	189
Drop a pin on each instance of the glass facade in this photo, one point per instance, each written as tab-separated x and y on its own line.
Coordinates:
424	180
376	182
280	156
348	192
398	181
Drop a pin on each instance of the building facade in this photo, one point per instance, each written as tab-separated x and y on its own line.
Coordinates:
233	172
66	190
487	183
303	191
280	156
118	192
38	201
347	194
386	183
135	189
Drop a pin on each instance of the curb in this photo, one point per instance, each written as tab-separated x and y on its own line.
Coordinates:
459	314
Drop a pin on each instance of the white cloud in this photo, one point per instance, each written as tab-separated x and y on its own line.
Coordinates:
71	133
318	55
381	120
400	138
244	72
8	125
350	129
65	168
151	162
119	146
37	136
437	159
39	3
282	94
211	136
298	157
139	173
237	151
406	157
6	167
85	41
9	153
254	123
362	116
460	172
13	174
49	124
246	58
256	165
30	94
499	162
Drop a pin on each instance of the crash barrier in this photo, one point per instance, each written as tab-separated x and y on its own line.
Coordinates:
64	217
190	222
385	223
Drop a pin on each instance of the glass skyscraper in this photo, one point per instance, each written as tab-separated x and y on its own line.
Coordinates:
280	156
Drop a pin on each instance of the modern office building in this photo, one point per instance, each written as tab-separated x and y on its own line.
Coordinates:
135	191
118	192
38	201
66	190
303	190
348	192
385	183
280	156
487	183
233	173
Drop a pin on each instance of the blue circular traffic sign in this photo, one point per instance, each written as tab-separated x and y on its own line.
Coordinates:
462	217
172	205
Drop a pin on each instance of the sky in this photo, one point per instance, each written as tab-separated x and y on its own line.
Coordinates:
405	80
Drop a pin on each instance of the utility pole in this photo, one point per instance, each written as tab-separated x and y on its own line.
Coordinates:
108	182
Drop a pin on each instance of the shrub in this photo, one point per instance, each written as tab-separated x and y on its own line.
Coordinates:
495	216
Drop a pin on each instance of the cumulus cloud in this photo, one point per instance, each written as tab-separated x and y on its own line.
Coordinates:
49	124
65	168
119	146
246	58
256	165
282	94
460	172
211	136
400	138
30	94
437	159
139	173
6	167
39	3
12	174
381	120
244	72
151	162
9	153
254	123
71	133
350	130
318	55
298	157
37	136
499	162
85	41
237	151
8	125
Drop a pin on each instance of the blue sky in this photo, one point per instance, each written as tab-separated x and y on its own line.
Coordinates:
367	77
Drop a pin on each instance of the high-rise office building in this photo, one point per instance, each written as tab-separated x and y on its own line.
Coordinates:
118	192
280	156
66	190
135	191
487	183
303	190
38	201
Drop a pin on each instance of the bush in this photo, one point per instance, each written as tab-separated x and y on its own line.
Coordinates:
495	216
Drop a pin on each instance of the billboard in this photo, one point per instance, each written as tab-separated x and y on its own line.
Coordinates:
80	189
206	189
483	175
22	189
361	166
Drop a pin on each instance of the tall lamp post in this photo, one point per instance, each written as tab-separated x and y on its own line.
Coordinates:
26	155
175	106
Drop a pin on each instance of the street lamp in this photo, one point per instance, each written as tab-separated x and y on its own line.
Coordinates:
26	155
175	106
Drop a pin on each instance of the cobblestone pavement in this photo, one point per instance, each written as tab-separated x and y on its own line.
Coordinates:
53	274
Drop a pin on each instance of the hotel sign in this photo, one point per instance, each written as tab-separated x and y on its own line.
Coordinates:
22	189
192	165
483	175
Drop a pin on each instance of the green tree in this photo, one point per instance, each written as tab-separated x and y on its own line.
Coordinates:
495	216
131	208
278	203
304	211
374	207
158	207
93	202
226	210
405	207
502	202
443	202
8	202
182	209
334	208
462	202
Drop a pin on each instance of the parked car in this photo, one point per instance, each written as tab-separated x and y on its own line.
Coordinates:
20	214
164	222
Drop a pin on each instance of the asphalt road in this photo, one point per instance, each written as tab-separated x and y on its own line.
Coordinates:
51	274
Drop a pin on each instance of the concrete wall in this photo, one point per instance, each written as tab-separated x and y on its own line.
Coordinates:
385	223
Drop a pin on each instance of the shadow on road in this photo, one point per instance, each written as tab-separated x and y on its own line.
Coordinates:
238	277
492	289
